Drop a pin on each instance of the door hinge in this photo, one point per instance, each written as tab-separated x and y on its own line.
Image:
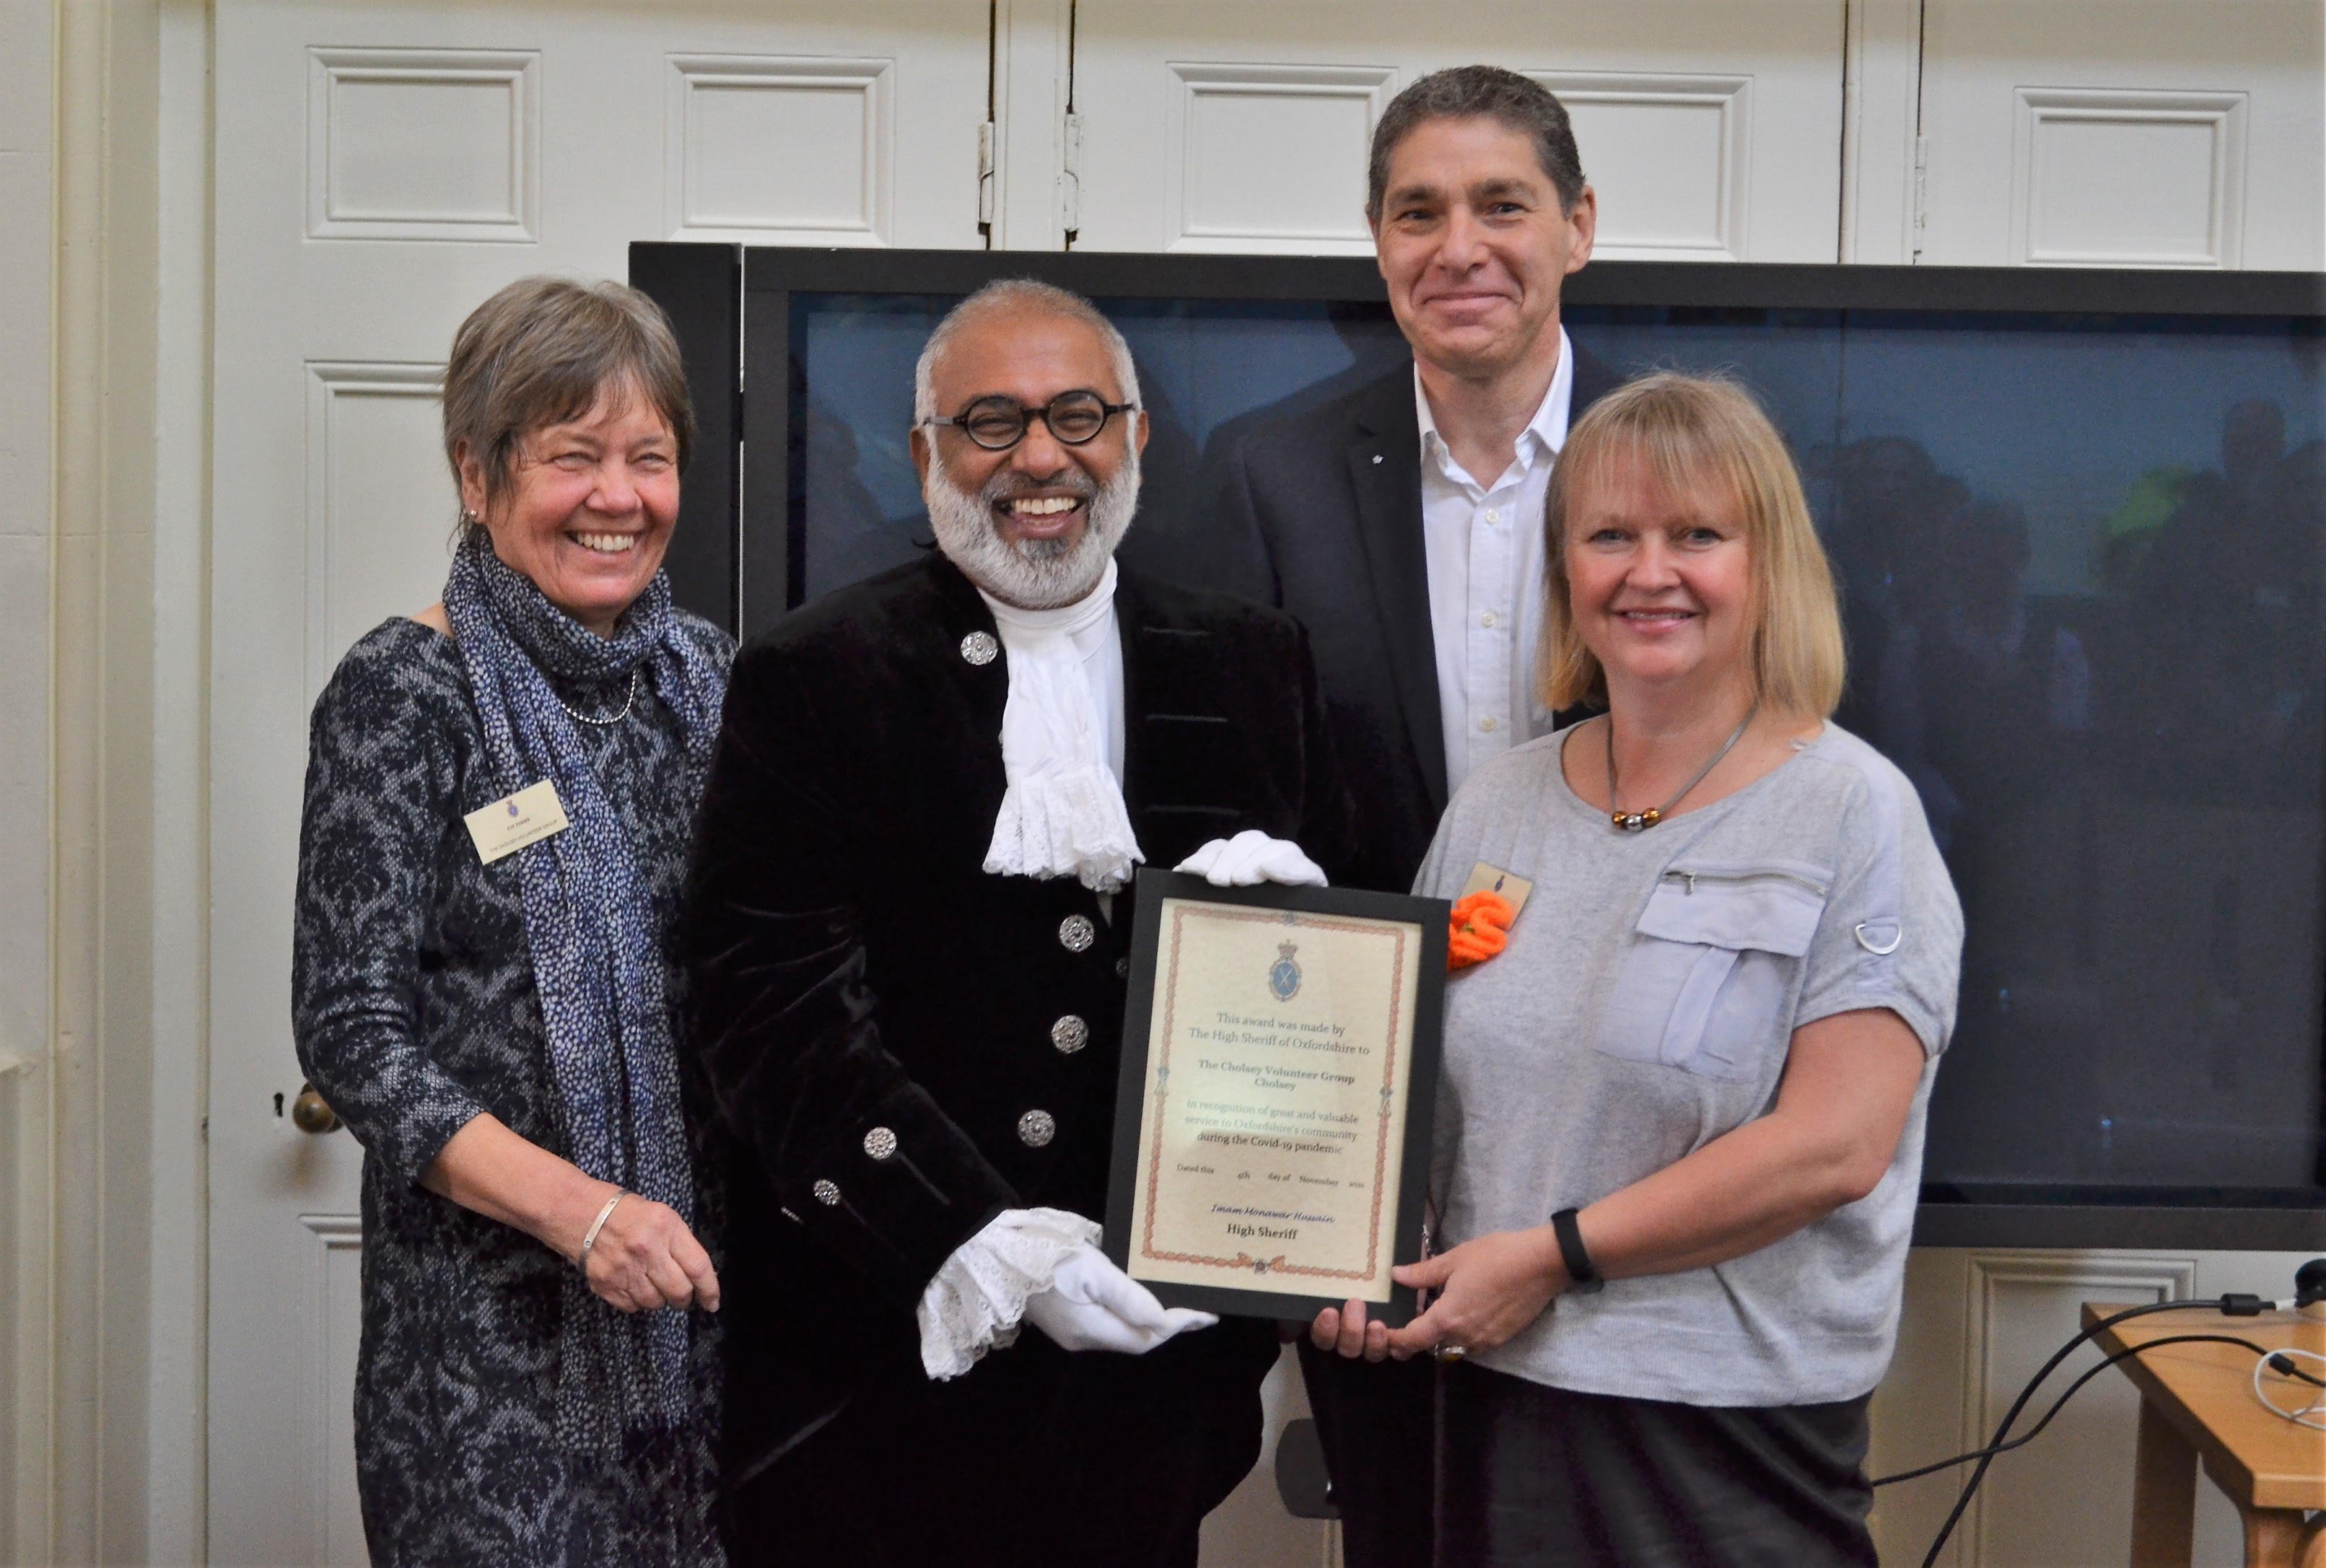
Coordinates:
1922	191
1070	180
985	172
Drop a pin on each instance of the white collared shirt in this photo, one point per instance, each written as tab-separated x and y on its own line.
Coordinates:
1482	545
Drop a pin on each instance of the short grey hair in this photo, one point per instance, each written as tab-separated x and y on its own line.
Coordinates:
1000	297
1466	92
540	352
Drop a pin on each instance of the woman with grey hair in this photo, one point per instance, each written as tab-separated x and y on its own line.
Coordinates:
500	795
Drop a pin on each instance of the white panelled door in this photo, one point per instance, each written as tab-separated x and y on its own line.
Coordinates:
1711	133
380	169
2124	133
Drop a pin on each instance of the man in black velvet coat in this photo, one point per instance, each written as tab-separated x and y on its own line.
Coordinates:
908	1054
1402	523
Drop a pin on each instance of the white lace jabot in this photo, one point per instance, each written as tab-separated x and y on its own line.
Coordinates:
1063	814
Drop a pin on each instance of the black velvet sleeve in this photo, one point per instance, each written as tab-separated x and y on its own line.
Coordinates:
790	846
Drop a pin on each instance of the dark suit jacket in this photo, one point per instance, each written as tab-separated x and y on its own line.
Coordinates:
1319	513
852	966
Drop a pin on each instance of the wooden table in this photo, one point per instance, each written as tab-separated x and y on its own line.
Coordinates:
2197	1403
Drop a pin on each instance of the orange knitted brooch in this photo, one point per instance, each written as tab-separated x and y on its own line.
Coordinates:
1481	928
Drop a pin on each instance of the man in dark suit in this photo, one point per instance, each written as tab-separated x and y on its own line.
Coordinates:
1402	523
907	949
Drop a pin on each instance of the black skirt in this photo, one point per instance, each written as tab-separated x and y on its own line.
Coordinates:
1532	1477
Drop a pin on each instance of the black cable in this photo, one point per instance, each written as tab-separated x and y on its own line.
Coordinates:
2283	1365
2237	1305
2089	1373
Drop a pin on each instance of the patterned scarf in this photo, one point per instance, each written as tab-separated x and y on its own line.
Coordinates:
596	948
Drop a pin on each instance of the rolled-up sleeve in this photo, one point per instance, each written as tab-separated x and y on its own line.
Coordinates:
380	798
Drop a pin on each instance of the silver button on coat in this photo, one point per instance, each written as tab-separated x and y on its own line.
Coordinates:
1075	933
1070	1033
826	1193
1036	1128
880	1143
980	648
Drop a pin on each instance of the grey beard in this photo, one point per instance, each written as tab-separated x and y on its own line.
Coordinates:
1041	573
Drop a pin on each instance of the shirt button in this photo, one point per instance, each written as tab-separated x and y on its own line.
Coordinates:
880	1143
1494	514
1487	723
1069	1035
1488	619
826	1193
1036	1128
1075	933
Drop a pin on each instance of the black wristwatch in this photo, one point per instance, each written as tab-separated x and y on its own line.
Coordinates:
1582	1278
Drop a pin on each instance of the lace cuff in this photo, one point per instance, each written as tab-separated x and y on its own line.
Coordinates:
978	1296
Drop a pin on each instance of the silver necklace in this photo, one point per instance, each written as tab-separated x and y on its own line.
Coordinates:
590	718
1641	821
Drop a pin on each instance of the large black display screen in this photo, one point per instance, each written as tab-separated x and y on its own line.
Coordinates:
2082	554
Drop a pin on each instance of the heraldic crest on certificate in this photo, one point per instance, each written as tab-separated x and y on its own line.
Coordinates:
1273	1119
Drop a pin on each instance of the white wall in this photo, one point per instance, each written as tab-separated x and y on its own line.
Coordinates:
27	245
89	873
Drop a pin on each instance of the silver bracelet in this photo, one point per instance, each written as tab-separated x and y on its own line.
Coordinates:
590	1239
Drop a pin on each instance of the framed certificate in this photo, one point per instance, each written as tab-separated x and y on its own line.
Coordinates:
1272	1123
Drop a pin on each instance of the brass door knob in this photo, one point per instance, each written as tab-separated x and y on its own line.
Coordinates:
312	1113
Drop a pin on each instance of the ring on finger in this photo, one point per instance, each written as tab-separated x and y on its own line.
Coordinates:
1449	1351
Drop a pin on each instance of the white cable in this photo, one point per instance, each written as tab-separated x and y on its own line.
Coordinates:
2308	1414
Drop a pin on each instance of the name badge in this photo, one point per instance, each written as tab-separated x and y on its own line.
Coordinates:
1485	878
510	823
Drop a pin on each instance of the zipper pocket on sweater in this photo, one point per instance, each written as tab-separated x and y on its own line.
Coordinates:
1689	879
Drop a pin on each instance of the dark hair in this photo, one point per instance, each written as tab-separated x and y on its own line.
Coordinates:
1466	92
540	352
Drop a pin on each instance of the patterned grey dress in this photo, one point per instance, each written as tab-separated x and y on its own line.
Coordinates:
414	1009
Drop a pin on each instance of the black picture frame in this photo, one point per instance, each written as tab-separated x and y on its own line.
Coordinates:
1430	916
735	306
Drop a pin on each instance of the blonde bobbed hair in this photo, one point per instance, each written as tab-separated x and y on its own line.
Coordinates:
1701	437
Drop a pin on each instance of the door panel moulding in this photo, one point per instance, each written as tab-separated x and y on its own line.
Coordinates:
2115	178
1690	178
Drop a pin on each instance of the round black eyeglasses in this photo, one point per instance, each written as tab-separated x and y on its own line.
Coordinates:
998	423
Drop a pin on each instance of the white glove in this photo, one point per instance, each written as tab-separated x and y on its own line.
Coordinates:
1041	1266
1251	857
1092	1305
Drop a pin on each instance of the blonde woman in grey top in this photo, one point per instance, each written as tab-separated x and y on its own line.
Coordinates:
1696	1073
